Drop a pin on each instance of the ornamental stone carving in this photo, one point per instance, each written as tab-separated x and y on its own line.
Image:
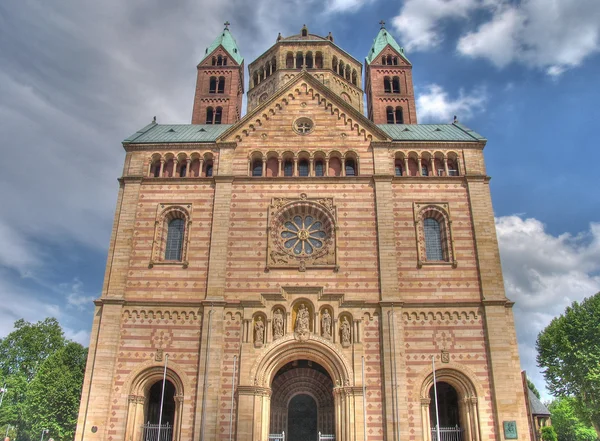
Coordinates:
277	324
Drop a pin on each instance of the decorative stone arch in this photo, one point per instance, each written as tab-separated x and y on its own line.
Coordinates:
469	390
166	213
155	165
347	397
139	382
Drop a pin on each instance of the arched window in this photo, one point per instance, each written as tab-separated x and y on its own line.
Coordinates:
350	167
212	86
224	61
335	167
387	85
396	85
209	169
389	59
399	116
424	169
221	87
299	60
334	64
219	60
433	239
214	61
288	168
319	60
255	78
398	168
348	72
389	111
319	168
341	68
182	170
354	77
309	60
155	170
218	115
209	115
303	167
257	167
383	60
273	64
395	61
174	239
289	60
304	32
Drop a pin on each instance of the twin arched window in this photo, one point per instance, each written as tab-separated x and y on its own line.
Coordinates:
394	116
214	116
391	85
216	85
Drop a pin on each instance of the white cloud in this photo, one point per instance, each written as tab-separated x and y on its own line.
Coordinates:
435	105
552	35
346	5
544	274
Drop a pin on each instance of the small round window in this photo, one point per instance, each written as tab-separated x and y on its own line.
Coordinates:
303	126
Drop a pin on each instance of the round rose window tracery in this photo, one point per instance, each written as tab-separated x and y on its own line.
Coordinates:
303	234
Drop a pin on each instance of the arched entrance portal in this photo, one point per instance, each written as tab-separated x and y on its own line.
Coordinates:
153	411
302	402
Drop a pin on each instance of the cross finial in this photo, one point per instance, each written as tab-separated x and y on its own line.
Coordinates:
227	25
382	23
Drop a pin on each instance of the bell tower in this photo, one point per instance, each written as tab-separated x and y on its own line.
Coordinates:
220	83
388	82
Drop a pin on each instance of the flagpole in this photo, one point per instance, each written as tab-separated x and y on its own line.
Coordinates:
162	396
437	415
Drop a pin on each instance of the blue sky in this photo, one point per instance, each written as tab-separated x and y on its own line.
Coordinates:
76	78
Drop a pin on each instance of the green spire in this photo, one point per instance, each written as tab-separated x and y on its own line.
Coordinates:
226	40
381	41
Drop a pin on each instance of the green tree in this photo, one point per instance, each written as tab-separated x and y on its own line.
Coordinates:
549	434
52	399
531	386
566	422
26	348
569	352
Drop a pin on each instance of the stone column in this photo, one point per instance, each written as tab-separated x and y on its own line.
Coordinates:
280	166
433	170
406	169
311	167
201	167
264	167
419	166
162	167
425	423
446	166
188	163
343	173
178	417
326	171
295	166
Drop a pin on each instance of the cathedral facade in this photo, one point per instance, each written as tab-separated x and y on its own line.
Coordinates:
304	272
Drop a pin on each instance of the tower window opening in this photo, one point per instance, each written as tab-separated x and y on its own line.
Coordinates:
174	239
384	60
273	64
209	115
309	60
257	167
303	167
395	61
319	60
398	168
387	85
424	170
396	85
218	115
389	59
354	77
399	115
209	169
334	64
212	86
390	115
156	169
341	67
224	61
304	32
214	61
182	171
289	60
221	86
299	60
255	77
219	60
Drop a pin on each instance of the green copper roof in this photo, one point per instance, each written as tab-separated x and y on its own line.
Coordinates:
430	132
226	40
381	41
172	133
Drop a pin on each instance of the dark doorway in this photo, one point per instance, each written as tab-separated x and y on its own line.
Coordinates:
302	418
168	414
447	405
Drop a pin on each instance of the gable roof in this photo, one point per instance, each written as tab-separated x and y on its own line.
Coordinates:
536	406
317	86
226	40
379	44
173	133
430	132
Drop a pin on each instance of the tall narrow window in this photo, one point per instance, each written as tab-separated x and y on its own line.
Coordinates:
319	168
387	85
424	170
350	167
303	167
390	115
257	167
384	60
309	60
224	61
156	169
299	60
218	115
288	168
209	170
214	61
182	171
212	87
395	61
221	88
289	60
174	239
398	168
433	239
219	60
389	59
399	116
209	115
396	85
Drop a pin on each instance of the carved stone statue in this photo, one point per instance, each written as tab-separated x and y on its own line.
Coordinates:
345	328
259	331
302	320
326	324
277	324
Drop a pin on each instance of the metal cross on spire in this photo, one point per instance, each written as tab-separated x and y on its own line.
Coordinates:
382	23
227	25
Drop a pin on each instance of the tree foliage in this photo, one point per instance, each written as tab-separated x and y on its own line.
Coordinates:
533	389
566	422
569	352
43	374
549	434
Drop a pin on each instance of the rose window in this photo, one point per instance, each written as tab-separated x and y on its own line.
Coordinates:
303	235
